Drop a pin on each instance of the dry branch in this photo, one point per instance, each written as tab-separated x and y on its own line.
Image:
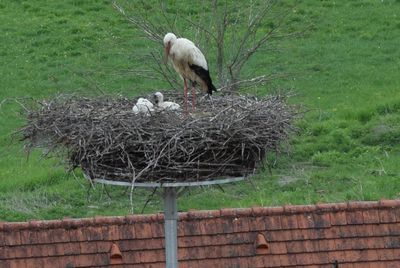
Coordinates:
228	32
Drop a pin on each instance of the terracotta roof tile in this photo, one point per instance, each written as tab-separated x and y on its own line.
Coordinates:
289	222
19	263
157	230
228	212
28	237
321	220
257	223
150	256
22	252
396	212
294	247
131	257
321	258
386	254
147	265
393	228
280	235
354	217
240	225
386	216
189	264
305	221
269	211
127	231
338	218
389	203
304	259
273	222
258	211
143	244
324	207
114	232
285	260
277	248
91	233
87	247
271	261
59	249
5	264
257	261
386	264
370	216
49	250
298	234
359	234
87	260
226	226
142	230
12	238
193	228
73	248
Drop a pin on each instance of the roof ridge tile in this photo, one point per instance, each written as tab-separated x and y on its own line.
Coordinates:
201	214
328	207
385	203
360	205
68	223
244	212
228	212
293	209
11	226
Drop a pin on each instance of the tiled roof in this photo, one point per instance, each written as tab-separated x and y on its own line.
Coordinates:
355	234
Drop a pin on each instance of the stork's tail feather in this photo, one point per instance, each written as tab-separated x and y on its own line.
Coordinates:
205	76
211	88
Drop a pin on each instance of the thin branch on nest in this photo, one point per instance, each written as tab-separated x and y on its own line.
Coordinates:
106	140
149	198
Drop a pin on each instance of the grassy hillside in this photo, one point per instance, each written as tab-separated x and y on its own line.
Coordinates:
347	66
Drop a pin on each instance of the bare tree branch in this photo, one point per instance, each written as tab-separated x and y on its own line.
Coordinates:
234	33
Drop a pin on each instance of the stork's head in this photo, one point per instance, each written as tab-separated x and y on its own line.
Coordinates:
158	98
169	40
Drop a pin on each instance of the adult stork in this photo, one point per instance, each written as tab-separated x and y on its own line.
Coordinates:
190	63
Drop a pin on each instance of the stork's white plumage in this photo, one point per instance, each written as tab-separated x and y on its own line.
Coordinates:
190	63
143	106
164	105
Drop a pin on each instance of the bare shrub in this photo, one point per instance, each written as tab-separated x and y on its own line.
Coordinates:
232	32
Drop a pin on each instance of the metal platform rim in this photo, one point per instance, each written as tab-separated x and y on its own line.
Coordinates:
169	184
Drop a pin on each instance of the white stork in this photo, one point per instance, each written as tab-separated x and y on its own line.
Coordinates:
190	63
143	106
164	105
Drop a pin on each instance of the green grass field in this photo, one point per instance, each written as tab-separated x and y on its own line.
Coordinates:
347	74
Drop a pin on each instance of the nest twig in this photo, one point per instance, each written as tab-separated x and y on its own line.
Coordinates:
226	137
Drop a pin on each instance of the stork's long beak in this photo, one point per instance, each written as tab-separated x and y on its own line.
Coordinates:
166	52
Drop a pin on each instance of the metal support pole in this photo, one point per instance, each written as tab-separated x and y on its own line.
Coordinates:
171	227
170	208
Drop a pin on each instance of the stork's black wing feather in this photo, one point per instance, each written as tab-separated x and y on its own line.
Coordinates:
205	76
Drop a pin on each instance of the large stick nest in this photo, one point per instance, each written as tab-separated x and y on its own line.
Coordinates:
229	136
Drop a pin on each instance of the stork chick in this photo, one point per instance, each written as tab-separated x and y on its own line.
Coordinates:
164	105
143	106
189	63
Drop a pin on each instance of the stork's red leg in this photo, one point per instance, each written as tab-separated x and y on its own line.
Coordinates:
185	94
193	98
